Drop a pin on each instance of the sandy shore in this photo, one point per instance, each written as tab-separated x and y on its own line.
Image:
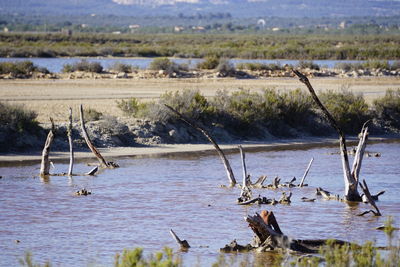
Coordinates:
54	97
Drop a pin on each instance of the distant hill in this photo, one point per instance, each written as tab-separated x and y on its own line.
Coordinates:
237	8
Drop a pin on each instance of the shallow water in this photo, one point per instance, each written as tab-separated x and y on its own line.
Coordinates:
137	204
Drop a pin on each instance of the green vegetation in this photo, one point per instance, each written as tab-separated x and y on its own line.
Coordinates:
121	67
369	65
349	110
355	255
15	122
92	115
132	258
209	63
387	109
166	65
20	68
259	66
248	46
83	65
27	261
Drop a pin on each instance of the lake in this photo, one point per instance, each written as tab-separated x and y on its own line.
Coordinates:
137	204
56	64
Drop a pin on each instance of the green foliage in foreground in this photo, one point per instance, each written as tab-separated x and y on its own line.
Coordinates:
355	255
132	258
242	110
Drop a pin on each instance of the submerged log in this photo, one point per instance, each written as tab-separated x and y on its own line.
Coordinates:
45	165
221	154
89	143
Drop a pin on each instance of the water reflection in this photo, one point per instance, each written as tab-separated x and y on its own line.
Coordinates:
137	205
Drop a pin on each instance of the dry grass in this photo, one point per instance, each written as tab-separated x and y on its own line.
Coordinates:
52	98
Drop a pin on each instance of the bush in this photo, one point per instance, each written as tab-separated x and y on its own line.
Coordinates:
387	108
349	110
259	66
83	65
225	67
209	63
92	115
135	257
121	67
164	64
20	67
308	65
132	107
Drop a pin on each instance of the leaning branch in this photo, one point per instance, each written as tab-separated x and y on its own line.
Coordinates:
89	143
305	173
221	154
71	148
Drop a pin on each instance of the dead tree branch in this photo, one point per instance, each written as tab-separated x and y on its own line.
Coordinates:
89	143
221	154
45	165
351	193
305	173
371	200
183	243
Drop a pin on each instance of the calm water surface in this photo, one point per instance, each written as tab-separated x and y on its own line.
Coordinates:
137	204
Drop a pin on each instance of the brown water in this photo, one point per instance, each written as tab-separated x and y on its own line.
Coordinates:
137	204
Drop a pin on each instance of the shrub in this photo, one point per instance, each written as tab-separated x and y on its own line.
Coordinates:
135	257
225	67
387	108
209	63
132	107
92	115
307	65
83	65
349	110
164	64
121	67
20	67
259	66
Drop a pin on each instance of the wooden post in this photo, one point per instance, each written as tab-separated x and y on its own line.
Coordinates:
71	148
45	165
221	154
306	172
89	143
351	193
183	243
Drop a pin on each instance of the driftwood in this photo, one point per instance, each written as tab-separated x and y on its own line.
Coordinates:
71	148
285	199
351	177
103	162
269	236
93	171
305	173
221	154
45	165
245	193
183	243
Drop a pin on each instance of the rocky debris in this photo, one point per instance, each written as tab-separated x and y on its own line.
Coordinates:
83	192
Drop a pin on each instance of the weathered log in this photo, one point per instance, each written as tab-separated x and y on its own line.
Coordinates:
71	148
351	192
89	143
371	201
221	154
45	165
305	173
183	243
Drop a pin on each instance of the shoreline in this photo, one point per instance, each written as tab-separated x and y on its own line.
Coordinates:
162	150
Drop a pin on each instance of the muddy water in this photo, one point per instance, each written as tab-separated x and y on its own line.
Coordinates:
137	204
